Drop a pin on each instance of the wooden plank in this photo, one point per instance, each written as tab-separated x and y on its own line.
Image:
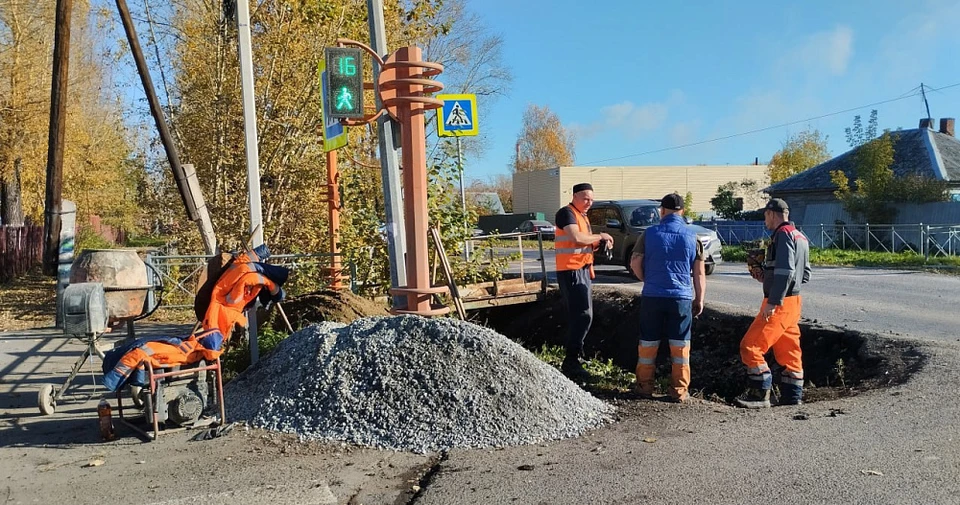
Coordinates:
448	273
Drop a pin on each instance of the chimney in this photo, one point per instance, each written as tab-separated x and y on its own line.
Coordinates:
756	160
947	126
927	123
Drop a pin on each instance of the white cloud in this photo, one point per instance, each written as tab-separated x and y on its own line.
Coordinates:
630	119
829	51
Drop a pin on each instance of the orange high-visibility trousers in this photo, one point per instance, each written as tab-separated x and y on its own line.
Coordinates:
780	333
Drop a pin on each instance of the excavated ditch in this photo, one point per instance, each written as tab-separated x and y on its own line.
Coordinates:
837	362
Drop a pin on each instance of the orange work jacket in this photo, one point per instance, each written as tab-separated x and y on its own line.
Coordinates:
571	256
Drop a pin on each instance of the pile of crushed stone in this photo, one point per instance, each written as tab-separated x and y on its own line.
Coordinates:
410	383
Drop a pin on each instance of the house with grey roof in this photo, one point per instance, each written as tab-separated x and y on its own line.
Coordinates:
924	151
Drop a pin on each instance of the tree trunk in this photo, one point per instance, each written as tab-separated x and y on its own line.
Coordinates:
11	205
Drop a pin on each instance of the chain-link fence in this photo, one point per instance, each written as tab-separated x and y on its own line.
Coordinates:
181	275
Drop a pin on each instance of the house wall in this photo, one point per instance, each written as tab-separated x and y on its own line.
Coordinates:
622	183
537	191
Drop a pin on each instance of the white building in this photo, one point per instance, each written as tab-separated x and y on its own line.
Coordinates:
548	190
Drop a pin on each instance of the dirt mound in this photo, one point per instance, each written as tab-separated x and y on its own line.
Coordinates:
837	362
328	306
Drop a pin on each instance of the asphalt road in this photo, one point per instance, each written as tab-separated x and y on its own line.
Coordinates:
888	446
892	302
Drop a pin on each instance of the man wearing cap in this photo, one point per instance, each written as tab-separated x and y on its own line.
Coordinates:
574	245
668	258
786	265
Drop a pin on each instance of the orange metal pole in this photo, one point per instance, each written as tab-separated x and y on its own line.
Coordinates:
414	163
333	212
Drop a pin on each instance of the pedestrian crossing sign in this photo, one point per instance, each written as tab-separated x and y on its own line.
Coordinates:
458	116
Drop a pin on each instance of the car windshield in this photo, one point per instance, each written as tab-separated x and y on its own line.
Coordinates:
643	215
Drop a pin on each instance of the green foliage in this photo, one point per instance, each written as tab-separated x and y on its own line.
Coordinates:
733	197
86	238
800	152
858	135
688	207
852	257
725	204
455	225
237	357
871	195
605	376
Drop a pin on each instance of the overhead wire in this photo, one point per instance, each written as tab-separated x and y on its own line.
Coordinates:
915	92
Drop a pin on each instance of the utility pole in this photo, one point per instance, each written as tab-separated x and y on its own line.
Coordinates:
58	118
253	153
388	131
189	191
927	105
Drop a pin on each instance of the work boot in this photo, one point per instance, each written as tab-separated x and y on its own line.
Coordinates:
643	390
682	398
754	398
574	370
789	401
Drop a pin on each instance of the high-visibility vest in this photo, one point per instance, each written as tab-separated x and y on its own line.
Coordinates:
571	256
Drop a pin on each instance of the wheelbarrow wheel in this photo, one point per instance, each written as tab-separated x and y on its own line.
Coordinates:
46	399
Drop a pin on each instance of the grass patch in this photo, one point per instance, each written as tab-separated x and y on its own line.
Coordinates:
237	357
531	245
604	375
846	257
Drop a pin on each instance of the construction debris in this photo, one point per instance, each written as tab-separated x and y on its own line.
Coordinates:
410	383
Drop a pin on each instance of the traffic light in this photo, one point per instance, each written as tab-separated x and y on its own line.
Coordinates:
345	97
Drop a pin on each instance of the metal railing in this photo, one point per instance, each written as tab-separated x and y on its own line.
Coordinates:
180	274
922	239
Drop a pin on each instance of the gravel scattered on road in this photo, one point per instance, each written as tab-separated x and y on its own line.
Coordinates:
410	383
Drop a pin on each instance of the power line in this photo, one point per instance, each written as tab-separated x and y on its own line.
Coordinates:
915	92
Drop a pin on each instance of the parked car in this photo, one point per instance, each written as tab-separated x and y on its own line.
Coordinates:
547	230
625	220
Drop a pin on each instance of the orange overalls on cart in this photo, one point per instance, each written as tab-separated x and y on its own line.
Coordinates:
786	266
236	288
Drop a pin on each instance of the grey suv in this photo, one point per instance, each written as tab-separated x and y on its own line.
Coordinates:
624	220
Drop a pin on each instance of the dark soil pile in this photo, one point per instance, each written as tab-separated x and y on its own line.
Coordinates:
328	306
837	362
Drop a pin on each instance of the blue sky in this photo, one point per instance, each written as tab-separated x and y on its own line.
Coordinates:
636	76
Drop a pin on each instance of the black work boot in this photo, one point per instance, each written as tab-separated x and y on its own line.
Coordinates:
574	369
754	398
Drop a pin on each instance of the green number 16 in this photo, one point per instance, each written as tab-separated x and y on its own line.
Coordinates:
347	66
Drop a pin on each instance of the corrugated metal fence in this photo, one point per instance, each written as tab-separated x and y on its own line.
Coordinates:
21	247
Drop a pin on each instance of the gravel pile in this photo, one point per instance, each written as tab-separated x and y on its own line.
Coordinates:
409	383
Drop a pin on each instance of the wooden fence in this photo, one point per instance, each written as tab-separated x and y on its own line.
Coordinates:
21	248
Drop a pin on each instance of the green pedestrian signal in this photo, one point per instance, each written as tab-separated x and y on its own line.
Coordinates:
345	98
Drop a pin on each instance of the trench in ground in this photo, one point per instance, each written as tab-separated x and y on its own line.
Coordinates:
837	362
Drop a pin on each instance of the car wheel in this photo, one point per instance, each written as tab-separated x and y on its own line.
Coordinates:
708	269
626	264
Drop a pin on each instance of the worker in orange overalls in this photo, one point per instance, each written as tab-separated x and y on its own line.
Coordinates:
574	245
785	267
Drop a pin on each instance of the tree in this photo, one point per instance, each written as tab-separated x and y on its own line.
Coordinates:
733	197
500	184
688	207
100	163
543	142
800	152
875	186
869	196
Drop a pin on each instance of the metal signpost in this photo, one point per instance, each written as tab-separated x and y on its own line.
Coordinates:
458	118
